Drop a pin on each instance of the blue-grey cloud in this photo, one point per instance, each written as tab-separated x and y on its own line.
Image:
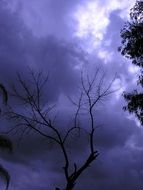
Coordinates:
119	140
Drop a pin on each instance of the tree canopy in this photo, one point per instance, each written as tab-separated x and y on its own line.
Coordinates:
5	143
132	48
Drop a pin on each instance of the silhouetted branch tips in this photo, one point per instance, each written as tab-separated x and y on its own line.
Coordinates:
90	96
38	118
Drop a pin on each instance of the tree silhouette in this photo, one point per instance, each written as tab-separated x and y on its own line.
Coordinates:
37	116
5	143
132	48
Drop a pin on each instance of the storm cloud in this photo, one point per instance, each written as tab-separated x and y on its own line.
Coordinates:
52	36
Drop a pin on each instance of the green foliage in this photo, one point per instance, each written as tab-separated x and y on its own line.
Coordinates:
5	175
132	48
5	143
135	104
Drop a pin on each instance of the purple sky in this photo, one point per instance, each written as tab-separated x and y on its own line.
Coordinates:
61	36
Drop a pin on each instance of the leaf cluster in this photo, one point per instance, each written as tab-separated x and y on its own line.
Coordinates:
132	48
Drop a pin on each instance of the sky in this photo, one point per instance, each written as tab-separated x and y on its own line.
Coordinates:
60	38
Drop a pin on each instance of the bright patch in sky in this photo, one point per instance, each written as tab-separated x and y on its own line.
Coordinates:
132	117
119	88
106	56
133	69
93	18
92	21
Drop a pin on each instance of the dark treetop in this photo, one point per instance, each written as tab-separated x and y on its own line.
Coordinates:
132	48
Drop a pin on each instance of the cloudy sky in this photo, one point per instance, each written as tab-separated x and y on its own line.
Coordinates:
61	37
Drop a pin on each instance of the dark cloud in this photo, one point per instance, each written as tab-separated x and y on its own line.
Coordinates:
48	17
20	49
37	164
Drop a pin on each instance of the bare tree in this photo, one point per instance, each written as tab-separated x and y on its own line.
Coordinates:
36	115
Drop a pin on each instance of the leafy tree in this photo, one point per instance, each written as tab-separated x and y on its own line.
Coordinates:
5	143
36	115
132	48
